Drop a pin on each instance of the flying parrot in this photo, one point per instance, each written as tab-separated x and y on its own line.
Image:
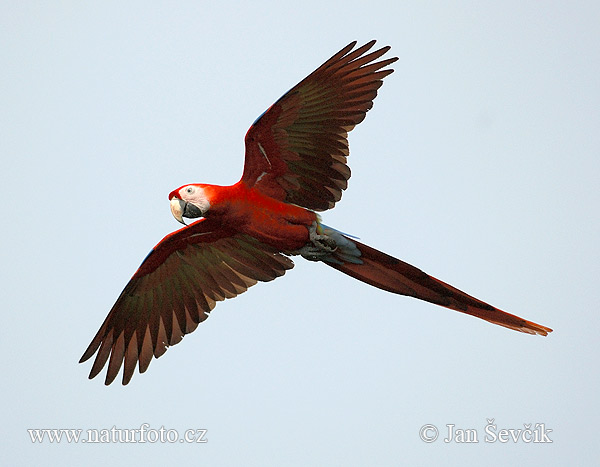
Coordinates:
295	166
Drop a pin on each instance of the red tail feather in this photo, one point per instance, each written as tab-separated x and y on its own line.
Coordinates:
388	273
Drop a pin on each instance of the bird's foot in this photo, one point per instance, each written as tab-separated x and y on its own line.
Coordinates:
320	246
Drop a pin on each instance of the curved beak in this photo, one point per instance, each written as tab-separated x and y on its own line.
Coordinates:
177	209
181	209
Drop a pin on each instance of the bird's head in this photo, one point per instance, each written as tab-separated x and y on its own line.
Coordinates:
189	201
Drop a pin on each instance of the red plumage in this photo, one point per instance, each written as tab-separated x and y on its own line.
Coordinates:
388	273
295	164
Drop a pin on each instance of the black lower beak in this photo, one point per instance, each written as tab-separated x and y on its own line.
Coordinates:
191	212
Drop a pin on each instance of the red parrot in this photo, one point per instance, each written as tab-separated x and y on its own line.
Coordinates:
295	165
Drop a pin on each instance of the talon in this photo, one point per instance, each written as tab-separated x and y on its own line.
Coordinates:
326	243
320	246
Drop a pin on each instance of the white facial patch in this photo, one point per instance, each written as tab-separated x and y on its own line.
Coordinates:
195	195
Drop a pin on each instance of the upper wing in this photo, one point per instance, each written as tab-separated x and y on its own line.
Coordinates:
174	289
296	151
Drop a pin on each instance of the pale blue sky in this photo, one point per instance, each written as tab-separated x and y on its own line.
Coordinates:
478	164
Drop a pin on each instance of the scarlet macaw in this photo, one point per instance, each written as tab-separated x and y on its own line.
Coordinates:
295	165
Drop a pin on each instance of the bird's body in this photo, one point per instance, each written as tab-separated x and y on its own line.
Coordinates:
281	225
295	165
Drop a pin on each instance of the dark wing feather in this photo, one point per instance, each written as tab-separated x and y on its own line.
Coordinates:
174	289
296	151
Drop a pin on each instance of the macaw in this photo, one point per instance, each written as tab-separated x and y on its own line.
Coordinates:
295	166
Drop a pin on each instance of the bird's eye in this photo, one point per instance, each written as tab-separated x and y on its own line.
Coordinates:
189	190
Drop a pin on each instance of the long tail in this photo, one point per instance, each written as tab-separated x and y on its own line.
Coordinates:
388	273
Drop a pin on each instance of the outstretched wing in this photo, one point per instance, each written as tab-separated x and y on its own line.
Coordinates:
296	151
174	289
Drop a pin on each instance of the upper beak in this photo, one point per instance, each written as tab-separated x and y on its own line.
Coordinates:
181	209
177	209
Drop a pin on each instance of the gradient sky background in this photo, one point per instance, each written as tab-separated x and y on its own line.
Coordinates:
478	164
